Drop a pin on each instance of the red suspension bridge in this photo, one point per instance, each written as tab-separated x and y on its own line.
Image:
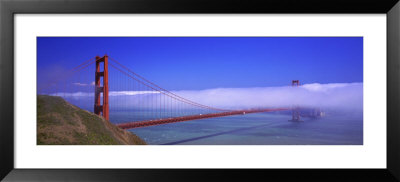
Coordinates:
143	102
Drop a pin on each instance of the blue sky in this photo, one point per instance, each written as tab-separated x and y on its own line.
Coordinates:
193	63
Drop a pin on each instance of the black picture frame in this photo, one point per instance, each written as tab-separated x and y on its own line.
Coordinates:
9	8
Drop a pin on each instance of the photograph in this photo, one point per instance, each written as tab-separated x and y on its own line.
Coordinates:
174	90
199	90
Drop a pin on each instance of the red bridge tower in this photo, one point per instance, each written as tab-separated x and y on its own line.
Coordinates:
101	89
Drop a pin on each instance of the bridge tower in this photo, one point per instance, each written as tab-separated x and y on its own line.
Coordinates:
295	109
101	89
295	83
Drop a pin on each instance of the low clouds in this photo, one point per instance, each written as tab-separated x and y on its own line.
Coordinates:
83	84
124	93
335	96
80	84
74	94
345	96
111	93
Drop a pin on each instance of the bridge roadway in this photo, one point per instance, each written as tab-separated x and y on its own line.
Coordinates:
138	124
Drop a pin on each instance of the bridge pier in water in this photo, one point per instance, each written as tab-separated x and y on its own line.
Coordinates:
295	114
101	89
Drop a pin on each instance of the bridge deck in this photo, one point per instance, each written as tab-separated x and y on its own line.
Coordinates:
139	124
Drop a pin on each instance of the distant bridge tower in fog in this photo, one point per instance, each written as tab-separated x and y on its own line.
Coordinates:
295	83
295	109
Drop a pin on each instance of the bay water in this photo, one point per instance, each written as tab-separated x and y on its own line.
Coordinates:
253	129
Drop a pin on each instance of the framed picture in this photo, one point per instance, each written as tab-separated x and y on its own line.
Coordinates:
175	90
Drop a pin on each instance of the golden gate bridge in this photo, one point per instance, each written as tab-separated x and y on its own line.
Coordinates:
150	103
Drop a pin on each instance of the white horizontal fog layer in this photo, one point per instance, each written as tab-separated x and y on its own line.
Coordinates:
111	93
348	96
83	84
123	93
334	95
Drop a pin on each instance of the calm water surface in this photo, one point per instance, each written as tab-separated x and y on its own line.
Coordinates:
254	129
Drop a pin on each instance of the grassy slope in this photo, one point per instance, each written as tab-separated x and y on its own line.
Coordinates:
61	123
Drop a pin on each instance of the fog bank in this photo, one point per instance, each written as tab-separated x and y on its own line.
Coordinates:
344	96
333	95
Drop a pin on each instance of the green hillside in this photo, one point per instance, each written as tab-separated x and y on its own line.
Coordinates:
61	123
